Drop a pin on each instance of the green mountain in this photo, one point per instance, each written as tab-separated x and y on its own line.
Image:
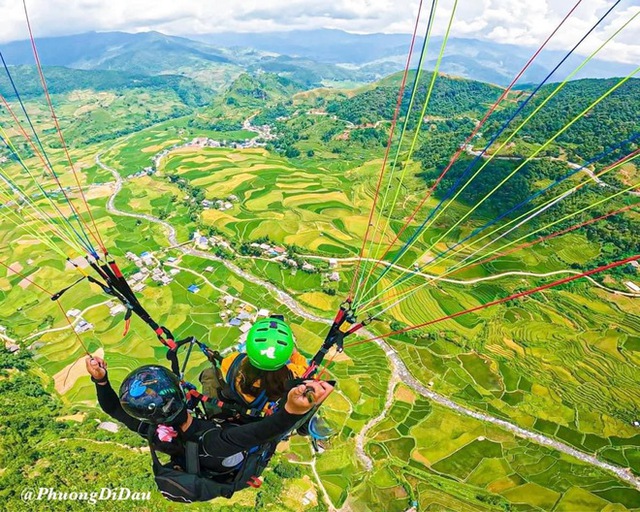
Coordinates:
63	80
450	97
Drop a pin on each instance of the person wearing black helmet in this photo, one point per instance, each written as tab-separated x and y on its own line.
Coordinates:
151	397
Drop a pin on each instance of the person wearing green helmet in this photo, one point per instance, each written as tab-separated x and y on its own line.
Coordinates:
256	380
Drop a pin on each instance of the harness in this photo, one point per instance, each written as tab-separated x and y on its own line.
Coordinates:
226	403
253	409
191	483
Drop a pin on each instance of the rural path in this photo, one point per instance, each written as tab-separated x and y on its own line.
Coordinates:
473	152
464	282
398	368
70	325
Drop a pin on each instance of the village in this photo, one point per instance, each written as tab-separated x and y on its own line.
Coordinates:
264	134
269	252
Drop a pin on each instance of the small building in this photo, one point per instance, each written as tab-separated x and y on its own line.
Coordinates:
245	327
172	259
3	329
228	300
174	271
232	198
13	348
279	250
138	276
207	204
147	260
307	267
74	313
139	287
228	205
109	426
165	280
334	277
265	247
333	263
632	286
235	322
117	309
208	269
193	288
263	313
244	316
636	423
83	326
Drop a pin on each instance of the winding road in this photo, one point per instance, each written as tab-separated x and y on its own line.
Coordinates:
399	371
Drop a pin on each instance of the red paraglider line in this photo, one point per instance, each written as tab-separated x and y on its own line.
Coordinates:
394	124
45	88
506	299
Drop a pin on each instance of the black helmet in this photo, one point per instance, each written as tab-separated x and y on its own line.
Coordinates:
153	394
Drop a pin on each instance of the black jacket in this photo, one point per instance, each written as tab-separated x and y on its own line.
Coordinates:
222	447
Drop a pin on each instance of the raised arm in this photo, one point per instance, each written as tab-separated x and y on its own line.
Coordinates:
300	401
107	397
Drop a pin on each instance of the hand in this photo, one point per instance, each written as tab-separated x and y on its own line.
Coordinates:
96	366
298	399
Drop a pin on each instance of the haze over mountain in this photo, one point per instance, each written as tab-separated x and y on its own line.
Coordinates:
311	57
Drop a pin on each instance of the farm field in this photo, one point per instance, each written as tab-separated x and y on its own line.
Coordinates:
562	363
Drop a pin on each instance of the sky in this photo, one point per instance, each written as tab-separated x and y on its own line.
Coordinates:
523	22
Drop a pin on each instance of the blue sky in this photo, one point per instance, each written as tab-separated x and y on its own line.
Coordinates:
526	22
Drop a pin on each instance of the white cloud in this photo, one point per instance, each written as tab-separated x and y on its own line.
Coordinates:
526	22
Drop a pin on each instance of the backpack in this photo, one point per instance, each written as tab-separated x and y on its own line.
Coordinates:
191	484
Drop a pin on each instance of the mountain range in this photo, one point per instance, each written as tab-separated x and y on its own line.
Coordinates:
311	57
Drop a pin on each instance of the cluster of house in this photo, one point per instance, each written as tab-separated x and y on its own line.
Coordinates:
242	316
147	171
309	497
204	243
205	142
220	204
80	324
149	267
630	284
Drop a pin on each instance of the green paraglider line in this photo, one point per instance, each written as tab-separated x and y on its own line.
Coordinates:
430	218
45	88
475	131
414	89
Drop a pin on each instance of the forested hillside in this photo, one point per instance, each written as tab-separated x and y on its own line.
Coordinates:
612	121
451	97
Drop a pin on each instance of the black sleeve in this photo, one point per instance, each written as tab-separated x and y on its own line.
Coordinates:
109	403
222	443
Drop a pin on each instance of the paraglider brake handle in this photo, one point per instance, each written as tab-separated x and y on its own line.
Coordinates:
181	343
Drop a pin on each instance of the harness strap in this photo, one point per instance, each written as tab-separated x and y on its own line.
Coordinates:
257	404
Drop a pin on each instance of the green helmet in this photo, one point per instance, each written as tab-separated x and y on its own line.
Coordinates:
269	344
